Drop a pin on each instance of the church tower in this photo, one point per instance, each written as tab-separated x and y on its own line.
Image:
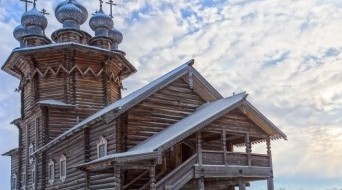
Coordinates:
62	80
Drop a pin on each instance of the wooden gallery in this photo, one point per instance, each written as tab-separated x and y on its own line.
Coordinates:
76	131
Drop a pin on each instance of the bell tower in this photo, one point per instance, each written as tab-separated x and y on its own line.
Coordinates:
68	78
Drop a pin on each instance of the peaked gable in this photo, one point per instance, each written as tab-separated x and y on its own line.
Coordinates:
124	104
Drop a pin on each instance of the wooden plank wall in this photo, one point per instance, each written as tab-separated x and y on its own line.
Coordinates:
73	149
161	110
235	122
60	120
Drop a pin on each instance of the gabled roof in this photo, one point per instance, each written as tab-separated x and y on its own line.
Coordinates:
182	129
259	119
124	104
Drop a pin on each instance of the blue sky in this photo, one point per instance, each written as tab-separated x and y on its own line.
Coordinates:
287	54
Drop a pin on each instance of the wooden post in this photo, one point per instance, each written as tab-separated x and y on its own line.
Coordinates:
270	183
201	183
152	178
87	180
248	149
117	174
242	185
224	142
199	148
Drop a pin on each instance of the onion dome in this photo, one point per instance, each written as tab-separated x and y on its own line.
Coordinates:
34	21
78	5
19	32
101	23
70	15
116	36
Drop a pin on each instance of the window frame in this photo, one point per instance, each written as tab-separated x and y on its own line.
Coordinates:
104	142
62	177
31	150
51	173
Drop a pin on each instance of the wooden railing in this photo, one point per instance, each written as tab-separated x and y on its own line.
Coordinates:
179	176
211	157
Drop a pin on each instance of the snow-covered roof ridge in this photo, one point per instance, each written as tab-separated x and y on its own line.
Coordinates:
127	102
180	130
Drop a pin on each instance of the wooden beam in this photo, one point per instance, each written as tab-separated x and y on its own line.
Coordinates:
224	142
199	148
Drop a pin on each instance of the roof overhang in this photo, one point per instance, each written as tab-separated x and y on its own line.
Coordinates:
18	53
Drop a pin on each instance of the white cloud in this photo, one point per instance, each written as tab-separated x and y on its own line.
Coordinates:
286	54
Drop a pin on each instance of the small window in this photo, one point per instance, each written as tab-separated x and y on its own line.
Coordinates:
31	150
14	182
34	178
102	148
62	162
51	172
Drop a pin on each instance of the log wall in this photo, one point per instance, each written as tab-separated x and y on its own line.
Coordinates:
161	110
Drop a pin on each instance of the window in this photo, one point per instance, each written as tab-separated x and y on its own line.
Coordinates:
14	182
62	162
51	167
34	177
102	148
31	150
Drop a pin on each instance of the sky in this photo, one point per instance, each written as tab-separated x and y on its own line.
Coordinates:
287	55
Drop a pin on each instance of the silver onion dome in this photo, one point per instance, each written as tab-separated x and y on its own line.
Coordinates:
101	23
78	5
19	32
70	15
116	36
34	21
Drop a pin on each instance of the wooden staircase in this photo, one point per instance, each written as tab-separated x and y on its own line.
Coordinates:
179	176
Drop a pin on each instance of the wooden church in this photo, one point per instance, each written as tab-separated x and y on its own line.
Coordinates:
76	131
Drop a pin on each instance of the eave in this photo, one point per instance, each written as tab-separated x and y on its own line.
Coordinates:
17	54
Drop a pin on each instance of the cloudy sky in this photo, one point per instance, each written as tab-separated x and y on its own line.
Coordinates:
287	54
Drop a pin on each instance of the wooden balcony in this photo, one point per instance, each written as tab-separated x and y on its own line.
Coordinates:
233	164
210	157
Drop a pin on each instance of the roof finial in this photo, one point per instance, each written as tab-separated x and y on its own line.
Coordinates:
26	2
34	3
111	4
101	2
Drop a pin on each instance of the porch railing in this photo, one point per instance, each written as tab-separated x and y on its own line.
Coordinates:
211	157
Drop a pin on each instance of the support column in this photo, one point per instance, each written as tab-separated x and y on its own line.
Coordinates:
224	142
270	183
248	149
152	178
242	185
87	180
117	174
201	183
199	148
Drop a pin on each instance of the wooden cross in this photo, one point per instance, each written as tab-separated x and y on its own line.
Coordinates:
34	3
101	2
111	4
26	2
44	12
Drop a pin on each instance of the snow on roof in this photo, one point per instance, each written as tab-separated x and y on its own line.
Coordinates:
189	123
127	102
182	128
51	102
